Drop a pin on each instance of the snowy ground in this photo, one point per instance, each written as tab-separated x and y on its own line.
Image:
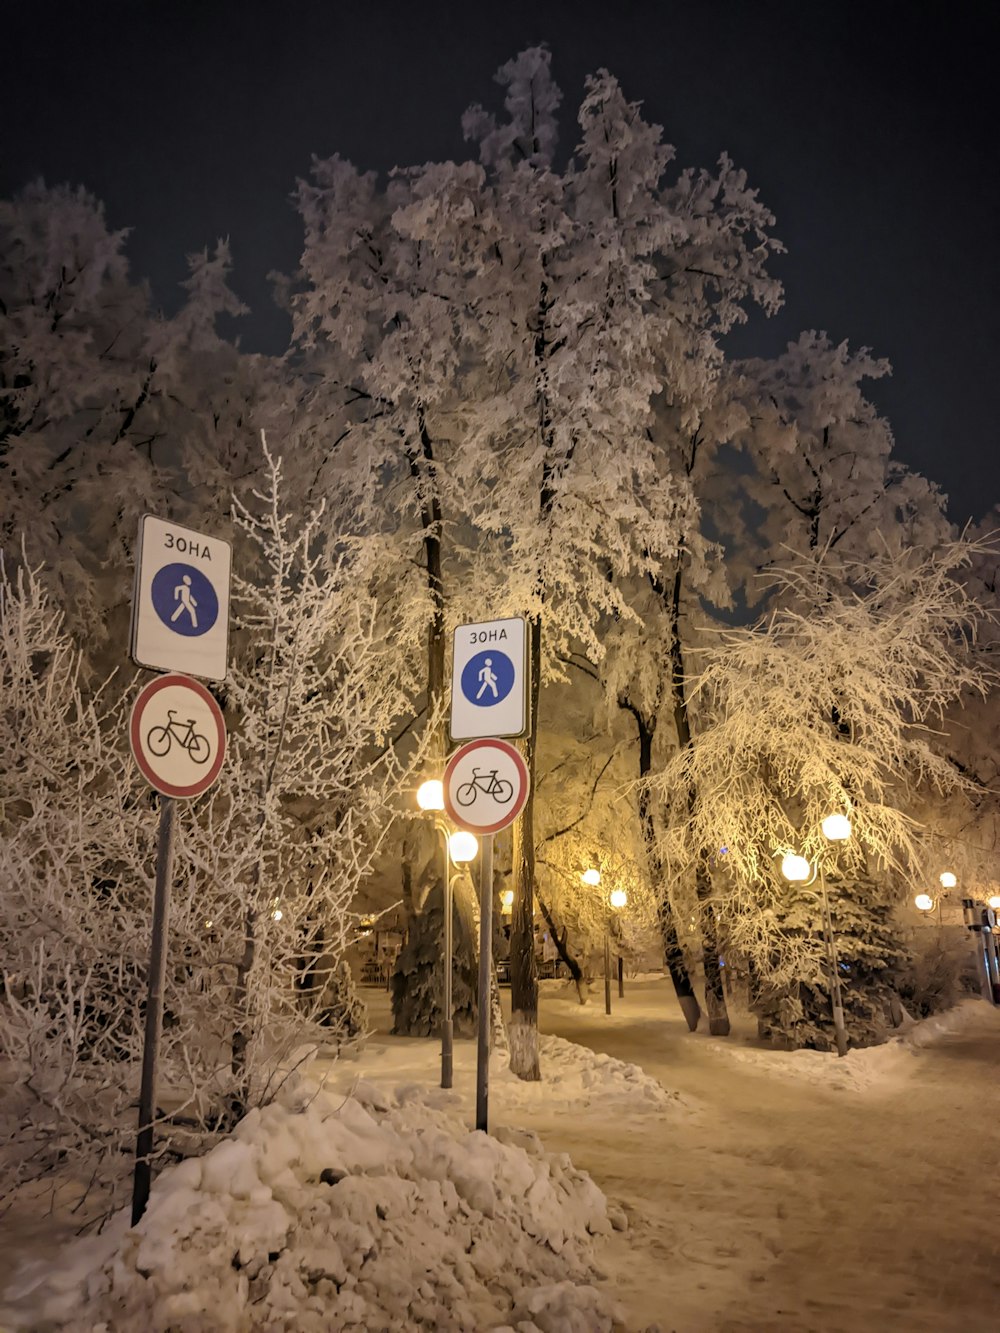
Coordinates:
761	1190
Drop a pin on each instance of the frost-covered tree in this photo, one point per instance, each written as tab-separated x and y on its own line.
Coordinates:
823	475
605	279
267	868
107	409
830	705
310	788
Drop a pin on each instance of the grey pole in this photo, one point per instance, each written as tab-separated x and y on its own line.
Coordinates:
154	1008
447	1023
485	969
621	978
836	998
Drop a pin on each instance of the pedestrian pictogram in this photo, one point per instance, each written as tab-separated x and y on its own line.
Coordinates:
178	736
180	607
185	599
485	785
489	680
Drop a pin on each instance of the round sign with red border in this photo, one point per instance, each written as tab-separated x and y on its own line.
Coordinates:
178	736
485	785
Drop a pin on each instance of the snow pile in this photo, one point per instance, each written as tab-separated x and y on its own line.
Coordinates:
871	1066
574	1076
968	1016
321	1213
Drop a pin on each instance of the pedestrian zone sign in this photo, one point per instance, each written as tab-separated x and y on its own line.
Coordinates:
489	680
180	605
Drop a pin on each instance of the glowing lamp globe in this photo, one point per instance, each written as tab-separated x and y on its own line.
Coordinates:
507	899
796	869
430	795
923	902
591	876
947	879
995	902
462	847
836	828
618	898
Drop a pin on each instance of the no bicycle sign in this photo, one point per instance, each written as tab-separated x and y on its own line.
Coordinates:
178	736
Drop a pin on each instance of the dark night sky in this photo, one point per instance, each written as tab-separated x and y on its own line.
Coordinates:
869	129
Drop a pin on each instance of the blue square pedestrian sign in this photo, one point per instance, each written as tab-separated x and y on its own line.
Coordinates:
180	604
489	680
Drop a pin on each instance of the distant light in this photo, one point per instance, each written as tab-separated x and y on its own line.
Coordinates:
836	828
591	876
617	897
507	899
947	879
796	869
723	851
462	846
277	914
208	925
924	902
430	794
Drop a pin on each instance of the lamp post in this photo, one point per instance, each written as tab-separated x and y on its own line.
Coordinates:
459	848
592	876
797	870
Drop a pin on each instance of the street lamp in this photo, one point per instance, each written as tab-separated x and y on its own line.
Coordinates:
923	902
459	848
797	870
430	794
947	879
591	877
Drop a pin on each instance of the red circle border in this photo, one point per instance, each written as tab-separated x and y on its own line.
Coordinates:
138	708
483	830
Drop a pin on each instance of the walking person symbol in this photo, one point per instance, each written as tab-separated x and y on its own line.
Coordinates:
488	678
186	601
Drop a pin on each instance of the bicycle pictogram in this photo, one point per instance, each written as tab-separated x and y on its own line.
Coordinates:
160	739
489	784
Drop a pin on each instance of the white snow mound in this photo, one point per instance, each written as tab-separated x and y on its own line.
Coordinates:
322	1212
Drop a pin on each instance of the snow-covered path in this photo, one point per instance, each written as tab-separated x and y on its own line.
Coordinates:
763	1190
806	1193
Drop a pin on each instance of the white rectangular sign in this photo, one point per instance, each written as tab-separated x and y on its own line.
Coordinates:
489	680
180	604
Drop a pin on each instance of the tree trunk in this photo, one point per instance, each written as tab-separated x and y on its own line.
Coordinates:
575	970
421	463
715	999
672	953
523	1029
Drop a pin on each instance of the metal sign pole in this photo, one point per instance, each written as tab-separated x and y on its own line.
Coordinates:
154	1008
485	969
447	1023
